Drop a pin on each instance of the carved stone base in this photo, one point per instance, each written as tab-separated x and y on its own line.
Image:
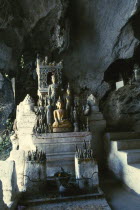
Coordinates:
62	130
60	149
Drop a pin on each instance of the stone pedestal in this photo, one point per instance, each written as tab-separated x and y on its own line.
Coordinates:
86	172
35	176
61	130
60	149
8	180
97	126
26	120
19	157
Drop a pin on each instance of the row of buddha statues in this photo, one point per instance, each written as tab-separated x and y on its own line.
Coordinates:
37	156
59	111
85	153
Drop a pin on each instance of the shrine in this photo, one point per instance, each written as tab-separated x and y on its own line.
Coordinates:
52	136
44	71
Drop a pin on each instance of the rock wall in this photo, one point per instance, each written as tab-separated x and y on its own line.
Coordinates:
17	21
6	101
101	33
121	109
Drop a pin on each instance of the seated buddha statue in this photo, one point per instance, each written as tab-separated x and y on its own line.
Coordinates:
61	124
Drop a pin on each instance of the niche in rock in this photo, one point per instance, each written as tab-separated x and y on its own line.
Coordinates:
119	70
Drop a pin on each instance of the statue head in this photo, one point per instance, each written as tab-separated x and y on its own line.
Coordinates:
59	103
136	66
53	79
91	100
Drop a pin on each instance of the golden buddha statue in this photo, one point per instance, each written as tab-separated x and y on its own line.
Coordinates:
61	124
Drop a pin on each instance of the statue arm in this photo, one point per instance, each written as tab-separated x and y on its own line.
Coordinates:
55	117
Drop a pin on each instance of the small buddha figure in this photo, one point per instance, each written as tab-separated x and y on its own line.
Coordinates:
53	90
87	109
61	124
136	73
68	101
75	115
40	113
75	120
49	115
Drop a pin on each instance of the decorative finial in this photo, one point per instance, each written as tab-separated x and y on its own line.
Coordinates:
46	60
59	99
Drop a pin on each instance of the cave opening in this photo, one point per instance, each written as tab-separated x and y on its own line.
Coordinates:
120	69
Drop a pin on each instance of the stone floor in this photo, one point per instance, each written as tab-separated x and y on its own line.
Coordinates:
117	195
96	204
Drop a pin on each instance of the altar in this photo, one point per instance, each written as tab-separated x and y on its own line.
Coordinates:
52	144
60	149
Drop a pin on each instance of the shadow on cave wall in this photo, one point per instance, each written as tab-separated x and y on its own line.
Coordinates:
44	39
119	70
136	25
26	79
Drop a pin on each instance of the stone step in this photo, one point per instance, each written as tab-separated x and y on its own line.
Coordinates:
135	165
114	136
128	144
133	156
123	157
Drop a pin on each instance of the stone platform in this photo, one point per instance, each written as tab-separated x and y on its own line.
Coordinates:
122	150
60	149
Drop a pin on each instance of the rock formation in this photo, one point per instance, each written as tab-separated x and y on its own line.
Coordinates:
88	43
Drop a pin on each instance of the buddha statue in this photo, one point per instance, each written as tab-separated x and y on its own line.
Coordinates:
53	90
49	115
40	113
61	124
68	101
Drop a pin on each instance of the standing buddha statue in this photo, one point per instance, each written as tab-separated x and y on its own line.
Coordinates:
53	90
68	101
